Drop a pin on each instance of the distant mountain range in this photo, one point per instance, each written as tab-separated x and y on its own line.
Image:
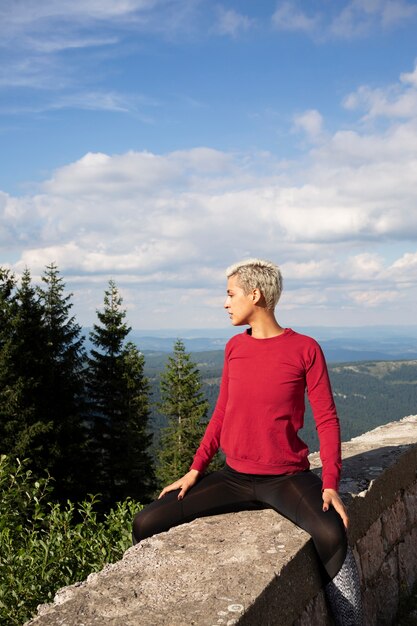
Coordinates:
340	344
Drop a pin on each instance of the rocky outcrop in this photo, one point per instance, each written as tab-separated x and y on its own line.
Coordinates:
255	567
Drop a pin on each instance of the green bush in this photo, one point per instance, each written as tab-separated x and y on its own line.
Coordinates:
45	546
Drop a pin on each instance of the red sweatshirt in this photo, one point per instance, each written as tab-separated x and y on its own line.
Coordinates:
260	408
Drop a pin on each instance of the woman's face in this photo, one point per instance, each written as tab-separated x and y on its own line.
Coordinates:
239	306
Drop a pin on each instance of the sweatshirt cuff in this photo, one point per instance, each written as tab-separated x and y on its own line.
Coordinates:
330	482
198	465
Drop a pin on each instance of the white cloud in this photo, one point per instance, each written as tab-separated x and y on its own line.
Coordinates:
360	17
311	270
404	269
123	174
37	72
373	298
310	122
106	203
362	267
396	11
56	44
30	14
114	102
304	298
230	22
356	18
38	38
394	102
343	225
288	17
144	257
410	77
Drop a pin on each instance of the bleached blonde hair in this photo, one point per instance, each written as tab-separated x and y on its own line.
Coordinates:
258	274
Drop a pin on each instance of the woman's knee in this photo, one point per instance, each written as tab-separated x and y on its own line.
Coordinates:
142	526
331	542
157	517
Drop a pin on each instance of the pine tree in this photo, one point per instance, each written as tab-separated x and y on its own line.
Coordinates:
7	303
185	408
118	395
136	467
63	403
24	428
7	289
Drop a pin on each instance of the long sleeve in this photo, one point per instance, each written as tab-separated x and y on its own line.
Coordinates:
211	439
324	412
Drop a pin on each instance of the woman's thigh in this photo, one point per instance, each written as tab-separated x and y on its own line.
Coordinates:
299	498
215	493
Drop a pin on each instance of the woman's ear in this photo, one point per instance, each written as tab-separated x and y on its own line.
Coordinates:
256	295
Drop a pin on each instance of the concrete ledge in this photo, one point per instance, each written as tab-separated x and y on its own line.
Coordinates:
256	567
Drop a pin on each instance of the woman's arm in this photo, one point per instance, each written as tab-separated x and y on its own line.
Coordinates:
322	403
325	415
210	442
208	446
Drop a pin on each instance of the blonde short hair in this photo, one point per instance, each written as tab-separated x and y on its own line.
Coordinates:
258	274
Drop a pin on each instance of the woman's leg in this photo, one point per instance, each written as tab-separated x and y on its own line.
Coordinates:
219	492
299	497
343	594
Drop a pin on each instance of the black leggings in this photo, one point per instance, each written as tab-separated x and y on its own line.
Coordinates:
296	496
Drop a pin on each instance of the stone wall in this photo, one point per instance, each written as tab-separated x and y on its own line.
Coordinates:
255	567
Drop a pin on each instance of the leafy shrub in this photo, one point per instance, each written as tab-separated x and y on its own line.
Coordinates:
45	546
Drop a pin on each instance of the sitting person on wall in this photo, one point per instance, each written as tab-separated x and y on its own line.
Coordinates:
259	411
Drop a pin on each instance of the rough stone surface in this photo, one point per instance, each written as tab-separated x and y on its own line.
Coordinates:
255	567
407	560
371	551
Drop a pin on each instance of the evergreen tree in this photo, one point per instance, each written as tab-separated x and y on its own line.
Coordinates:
185	408
135	461
7	288
7	296
63	402
119	407
24	428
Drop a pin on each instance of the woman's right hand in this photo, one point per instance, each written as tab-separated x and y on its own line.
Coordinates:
184	483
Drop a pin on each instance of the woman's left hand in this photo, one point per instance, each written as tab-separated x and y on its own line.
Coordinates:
332	498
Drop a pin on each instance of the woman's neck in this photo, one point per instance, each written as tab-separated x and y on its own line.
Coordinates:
265	327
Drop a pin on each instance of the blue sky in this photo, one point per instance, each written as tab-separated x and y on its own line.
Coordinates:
156	142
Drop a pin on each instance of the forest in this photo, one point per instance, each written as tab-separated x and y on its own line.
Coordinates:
77	457
88	436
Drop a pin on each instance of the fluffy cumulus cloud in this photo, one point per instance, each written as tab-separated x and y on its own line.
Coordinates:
343	225
398	101
310	122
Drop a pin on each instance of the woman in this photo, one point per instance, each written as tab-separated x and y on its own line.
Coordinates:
258	414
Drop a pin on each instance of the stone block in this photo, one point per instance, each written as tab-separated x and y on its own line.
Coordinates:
381	599
410	501
394	523
371	551
407	561
315	612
